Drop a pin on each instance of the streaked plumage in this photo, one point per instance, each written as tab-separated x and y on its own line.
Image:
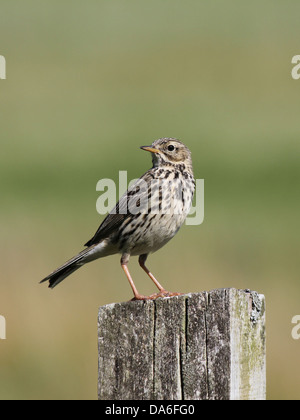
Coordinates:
147	216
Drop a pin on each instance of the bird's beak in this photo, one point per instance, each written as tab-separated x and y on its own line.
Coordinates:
149	149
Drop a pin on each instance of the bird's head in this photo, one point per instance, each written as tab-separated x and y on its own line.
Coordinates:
170	152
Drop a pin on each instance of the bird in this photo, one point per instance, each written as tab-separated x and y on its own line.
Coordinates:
147	216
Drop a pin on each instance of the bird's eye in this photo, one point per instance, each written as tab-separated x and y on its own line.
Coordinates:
171	148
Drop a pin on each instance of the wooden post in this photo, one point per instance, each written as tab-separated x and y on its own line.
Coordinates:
208	345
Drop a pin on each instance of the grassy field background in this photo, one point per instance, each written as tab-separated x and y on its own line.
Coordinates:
87	84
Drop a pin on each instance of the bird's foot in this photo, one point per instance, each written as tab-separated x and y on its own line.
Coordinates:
164	293
161	294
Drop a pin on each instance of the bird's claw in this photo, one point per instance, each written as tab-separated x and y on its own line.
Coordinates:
161	294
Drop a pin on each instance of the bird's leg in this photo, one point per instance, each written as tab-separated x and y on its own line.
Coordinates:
124	262
137	296
142	260
162	291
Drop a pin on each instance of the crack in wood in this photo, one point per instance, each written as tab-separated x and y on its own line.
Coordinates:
196	346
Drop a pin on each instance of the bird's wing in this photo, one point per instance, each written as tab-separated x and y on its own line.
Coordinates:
123	209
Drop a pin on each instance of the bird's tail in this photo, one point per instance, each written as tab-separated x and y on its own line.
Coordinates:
88	254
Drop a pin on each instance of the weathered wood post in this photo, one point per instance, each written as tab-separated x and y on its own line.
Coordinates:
208	345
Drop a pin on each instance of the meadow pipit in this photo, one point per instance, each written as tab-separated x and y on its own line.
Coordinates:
147	216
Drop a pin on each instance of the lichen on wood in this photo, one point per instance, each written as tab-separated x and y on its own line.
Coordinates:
208	345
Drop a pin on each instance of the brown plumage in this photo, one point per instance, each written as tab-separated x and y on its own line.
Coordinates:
147	216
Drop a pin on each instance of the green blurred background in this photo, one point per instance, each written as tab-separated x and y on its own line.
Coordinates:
87	84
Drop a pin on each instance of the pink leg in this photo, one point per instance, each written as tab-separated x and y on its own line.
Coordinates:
134	289
142	261
162	291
